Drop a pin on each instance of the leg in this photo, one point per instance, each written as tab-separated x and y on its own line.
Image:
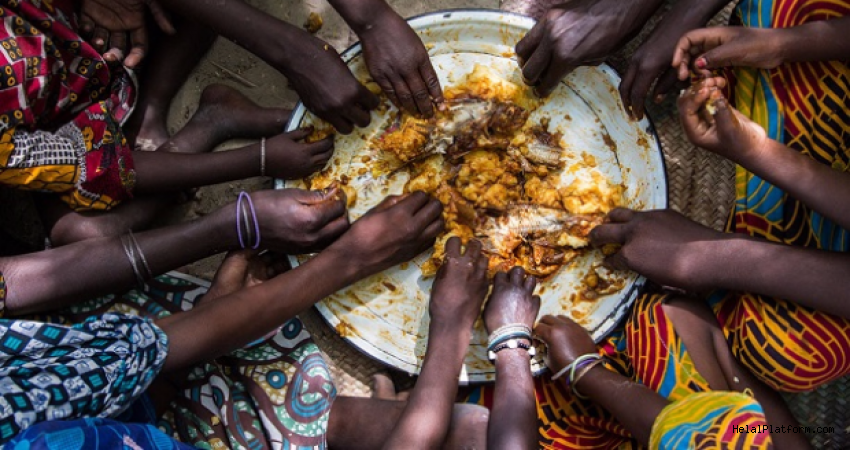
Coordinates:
170	63
223	113
789	347
367	422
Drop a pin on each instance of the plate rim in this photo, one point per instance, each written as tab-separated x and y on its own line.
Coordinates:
611	321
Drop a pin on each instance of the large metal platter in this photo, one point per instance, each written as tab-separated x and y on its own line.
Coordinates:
386	316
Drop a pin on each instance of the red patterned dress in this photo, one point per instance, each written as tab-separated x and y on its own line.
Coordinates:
61	109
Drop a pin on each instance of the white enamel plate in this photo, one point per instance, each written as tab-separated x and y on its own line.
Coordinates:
386	316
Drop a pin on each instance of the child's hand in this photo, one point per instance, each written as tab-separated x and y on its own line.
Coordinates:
665	247
460	286
395	231
512	300
295	221
727	132
714	48
289	159
565	341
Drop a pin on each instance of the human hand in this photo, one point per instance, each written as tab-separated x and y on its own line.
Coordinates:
328	89
400	64
569	35
565	341
242	269
460	286
728	132
649	63
395	231
295	221
113	21
664	246
512	300
290	159
714	48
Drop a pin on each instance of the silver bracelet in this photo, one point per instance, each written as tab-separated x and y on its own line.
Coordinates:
141	255
128	251
263	157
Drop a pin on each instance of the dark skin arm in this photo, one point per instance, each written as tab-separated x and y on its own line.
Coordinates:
566	341
456	298
286	157
374	243
732	135
675	251
313	67
576	33
513	417
651	61
713	48
291	221
396	58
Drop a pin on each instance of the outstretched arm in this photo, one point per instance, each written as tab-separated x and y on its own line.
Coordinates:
763	48
289	220
459	291
734	136
313	67
394	54
374	243
513	417
633	405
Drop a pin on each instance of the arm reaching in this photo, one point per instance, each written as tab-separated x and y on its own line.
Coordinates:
734	136
394	54
714	48
290	221
459	291
566	341
577	33
513	418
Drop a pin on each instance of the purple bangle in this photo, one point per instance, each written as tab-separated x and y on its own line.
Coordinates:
238	213
578	367
256	223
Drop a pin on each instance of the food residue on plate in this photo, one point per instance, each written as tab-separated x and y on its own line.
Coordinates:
498	175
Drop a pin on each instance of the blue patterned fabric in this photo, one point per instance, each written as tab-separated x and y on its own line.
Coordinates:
93	433
96	368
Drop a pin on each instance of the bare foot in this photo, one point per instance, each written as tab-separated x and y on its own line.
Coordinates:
224	113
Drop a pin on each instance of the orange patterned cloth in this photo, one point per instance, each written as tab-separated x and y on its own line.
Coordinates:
790	347
646	350
61	109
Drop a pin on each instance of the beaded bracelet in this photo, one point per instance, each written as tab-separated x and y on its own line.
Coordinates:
506	332
512	343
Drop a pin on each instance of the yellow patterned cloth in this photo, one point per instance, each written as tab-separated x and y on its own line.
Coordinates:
805	106
711	421
648	351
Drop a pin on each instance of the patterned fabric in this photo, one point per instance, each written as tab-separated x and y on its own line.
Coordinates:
711	420
93	369
803	105
276	394
94	433
61	107
647	350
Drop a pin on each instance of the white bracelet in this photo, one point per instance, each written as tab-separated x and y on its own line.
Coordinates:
263	157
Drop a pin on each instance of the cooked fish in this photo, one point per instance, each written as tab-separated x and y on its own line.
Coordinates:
538	225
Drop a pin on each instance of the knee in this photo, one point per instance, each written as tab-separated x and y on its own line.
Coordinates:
469	427
79	228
